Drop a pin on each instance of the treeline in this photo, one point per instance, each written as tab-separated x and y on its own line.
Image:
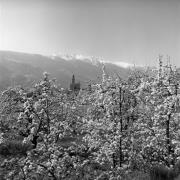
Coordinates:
113	130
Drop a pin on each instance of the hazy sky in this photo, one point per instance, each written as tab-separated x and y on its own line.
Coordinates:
133	31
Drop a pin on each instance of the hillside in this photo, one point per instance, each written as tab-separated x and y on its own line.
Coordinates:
24	69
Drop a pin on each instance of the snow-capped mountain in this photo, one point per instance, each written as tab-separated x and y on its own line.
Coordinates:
22	68
91	59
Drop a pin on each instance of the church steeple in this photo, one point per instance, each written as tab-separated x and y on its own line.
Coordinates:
73	79
74	86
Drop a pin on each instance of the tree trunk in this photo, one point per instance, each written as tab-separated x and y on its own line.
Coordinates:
168	134
121	127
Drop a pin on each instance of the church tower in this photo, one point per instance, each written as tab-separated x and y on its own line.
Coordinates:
73	79
74	86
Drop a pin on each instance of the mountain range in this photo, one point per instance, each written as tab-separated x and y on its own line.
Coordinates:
25	69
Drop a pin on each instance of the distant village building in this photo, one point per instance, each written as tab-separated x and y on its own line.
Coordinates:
75	87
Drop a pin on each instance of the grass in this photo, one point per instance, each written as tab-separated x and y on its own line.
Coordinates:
137	175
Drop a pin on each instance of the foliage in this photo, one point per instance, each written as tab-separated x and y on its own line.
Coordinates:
114	130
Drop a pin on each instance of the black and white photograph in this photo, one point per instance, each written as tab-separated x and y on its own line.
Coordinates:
89	89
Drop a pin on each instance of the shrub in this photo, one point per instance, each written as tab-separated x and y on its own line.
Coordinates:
177	168
14	147
161	173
